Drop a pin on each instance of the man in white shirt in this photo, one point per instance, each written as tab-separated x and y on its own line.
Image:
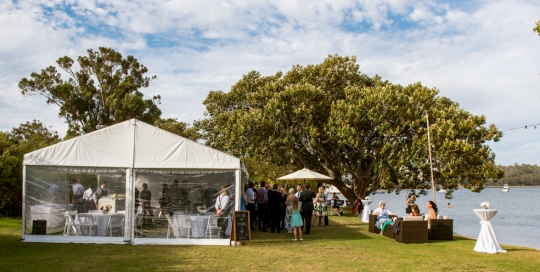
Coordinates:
298	192
90	198
250	194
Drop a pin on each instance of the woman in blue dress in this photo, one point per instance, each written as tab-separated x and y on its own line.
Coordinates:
383	215
296	218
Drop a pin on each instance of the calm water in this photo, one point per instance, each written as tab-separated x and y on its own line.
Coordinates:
517	221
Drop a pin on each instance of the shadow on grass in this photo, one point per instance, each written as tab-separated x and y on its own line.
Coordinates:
337	229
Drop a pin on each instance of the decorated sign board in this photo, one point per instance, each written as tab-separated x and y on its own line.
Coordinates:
241	228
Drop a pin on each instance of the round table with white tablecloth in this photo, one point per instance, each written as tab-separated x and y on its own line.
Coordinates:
487	242
367	210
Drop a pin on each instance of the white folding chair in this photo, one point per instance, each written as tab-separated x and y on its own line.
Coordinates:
212	226
139	224
86	221
116	221
71	226
184	224
170	225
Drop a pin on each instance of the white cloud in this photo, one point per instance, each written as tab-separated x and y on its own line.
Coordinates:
483	57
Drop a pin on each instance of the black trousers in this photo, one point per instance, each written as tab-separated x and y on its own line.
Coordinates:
263	216
326	220
252	215
275	218
306	217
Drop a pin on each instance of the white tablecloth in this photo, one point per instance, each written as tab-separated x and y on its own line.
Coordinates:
53	213
198	225
101	221
487	242
367	210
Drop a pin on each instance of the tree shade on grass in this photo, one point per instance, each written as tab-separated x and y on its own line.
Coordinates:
345	245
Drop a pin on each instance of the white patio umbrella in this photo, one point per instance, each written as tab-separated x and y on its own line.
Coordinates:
305	174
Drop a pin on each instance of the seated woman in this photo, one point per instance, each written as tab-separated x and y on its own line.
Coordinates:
335	207
432	212
415	211
383	215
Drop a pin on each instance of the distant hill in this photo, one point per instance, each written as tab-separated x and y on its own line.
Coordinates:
519	175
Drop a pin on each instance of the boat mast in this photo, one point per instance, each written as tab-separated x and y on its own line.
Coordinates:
430	161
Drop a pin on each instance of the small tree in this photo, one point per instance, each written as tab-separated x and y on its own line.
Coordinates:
102	90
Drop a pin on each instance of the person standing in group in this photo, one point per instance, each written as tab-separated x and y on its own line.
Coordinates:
174	196
306	197
223	209
145	197
274	204
77	198
288	203
283	194
90	198
298	193
410	202
103	189
320	206
250	200
296	218
262	204
325	216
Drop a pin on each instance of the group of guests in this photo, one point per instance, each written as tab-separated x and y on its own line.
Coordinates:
282	210
86	200
384	215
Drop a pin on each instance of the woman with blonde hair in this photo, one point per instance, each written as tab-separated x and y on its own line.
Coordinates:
288	202
296	218
320	206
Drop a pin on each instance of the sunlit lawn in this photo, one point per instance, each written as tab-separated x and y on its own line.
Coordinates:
345	245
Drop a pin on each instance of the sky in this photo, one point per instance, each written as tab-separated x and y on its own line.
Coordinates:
481	54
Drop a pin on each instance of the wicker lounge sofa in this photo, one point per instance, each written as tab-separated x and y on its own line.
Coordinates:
441	229
372	228
412	232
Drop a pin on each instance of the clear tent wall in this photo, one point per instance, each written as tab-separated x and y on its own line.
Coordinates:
67	204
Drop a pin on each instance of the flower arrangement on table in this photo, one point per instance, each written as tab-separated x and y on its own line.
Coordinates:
367	197
106	208
485	205
201	209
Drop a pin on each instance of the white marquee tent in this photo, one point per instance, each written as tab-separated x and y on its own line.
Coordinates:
128	154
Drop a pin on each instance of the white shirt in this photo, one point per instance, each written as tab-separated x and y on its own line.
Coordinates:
78	189
221	202
250	196
382	213
89	195
298	196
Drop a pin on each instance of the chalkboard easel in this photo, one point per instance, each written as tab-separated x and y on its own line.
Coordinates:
241	228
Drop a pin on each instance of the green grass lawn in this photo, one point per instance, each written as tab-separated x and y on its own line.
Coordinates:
345	245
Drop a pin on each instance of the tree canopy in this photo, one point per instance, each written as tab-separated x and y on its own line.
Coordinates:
364	132
102	90
13	145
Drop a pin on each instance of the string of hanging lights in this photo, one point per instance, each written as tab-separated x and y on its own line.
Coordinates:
526	127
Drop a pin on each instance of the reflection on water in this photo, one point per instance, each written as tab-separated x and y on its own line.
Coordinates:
516	223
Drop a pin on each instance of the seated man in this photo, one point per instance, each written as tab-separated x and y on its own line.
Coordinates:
383	215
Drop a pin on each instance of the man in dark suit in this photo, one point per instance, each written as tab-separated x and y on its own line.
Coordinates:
307	196
275	205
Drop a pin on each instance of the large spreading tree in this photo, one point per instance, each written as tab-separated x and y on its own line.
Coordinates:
103	89
364	132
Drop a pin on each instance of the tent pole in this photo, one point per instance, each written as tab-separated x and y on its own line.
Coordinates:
23	202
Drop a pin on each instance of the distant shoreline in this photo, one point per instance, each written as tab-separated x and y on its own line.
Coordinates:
513	187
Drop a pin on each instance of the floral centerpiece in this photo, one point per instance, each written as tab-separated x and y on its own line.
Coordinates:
367	197
201	209
106	208
485	205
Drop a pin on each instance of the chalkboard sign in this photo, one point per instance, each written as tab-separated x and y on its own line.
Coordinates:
339	202
241	229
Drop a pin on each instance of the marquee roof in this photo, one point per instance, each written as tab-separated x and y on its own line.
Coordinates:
134	144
